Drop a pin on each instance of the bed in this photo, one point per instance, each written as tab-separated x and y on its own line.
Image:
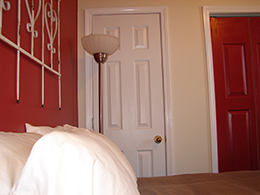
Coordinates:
227	183
68	160
63	161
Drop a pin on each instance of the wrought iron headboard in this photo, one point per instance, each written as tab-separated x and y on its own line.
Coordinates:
50	24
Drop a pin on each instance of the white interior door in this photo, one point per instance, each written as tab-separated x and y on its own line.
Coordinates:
133	90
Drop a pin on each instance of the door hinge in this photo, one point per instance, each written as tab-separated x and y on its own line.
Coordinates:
165	139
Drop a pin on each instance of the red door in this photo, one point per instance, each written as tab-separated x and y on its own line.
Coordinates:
235	93
255	37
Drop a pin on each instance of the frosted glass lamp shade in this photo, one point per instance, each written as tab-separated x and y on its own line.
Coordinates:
100	43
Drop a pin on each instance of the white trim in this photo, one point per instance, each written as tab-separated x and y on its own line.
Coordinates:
162	10
207	12
88	76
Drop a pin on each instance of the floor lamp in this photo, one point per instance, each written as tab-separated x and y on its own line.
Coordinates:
100	46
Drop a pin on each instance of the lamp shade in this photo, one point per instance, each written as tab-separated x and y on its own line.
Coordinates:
100	43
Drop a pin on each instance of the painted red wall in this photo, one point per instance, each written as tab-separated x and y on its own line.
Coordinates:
29	110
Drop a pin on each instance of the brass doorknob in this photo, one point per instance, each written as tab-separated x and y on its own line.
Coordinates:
157	139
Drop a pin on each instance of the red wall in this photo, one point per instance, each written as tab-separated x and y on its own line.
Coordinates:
29	110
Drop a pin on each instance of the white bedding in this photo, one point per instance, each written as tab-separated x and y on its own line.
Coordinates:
14	151
78	162
42	129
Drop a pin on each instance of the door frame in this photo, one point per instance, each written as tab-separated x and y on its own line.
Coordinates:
218	11
89	96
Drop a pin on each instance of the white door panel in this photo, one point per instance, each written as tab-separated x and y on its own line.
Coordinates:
133	90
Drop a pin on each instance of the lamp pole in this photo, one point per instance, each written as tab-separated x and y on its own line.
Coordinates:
100	58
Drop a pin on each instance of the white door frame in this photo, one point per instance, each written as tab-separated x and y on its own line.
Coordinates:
218	11
162	10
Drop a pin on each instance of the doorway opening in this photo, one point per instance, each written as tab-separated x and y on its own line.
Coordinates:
209	11
162	11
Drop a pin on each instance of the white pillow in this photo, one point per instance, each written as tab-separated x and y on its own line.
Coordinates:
103	140
41	129
76	161
14	151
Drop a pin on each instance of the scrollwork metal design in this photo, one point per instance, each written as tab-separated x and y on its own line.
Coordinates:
52	16
52	21
6	5
30	26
